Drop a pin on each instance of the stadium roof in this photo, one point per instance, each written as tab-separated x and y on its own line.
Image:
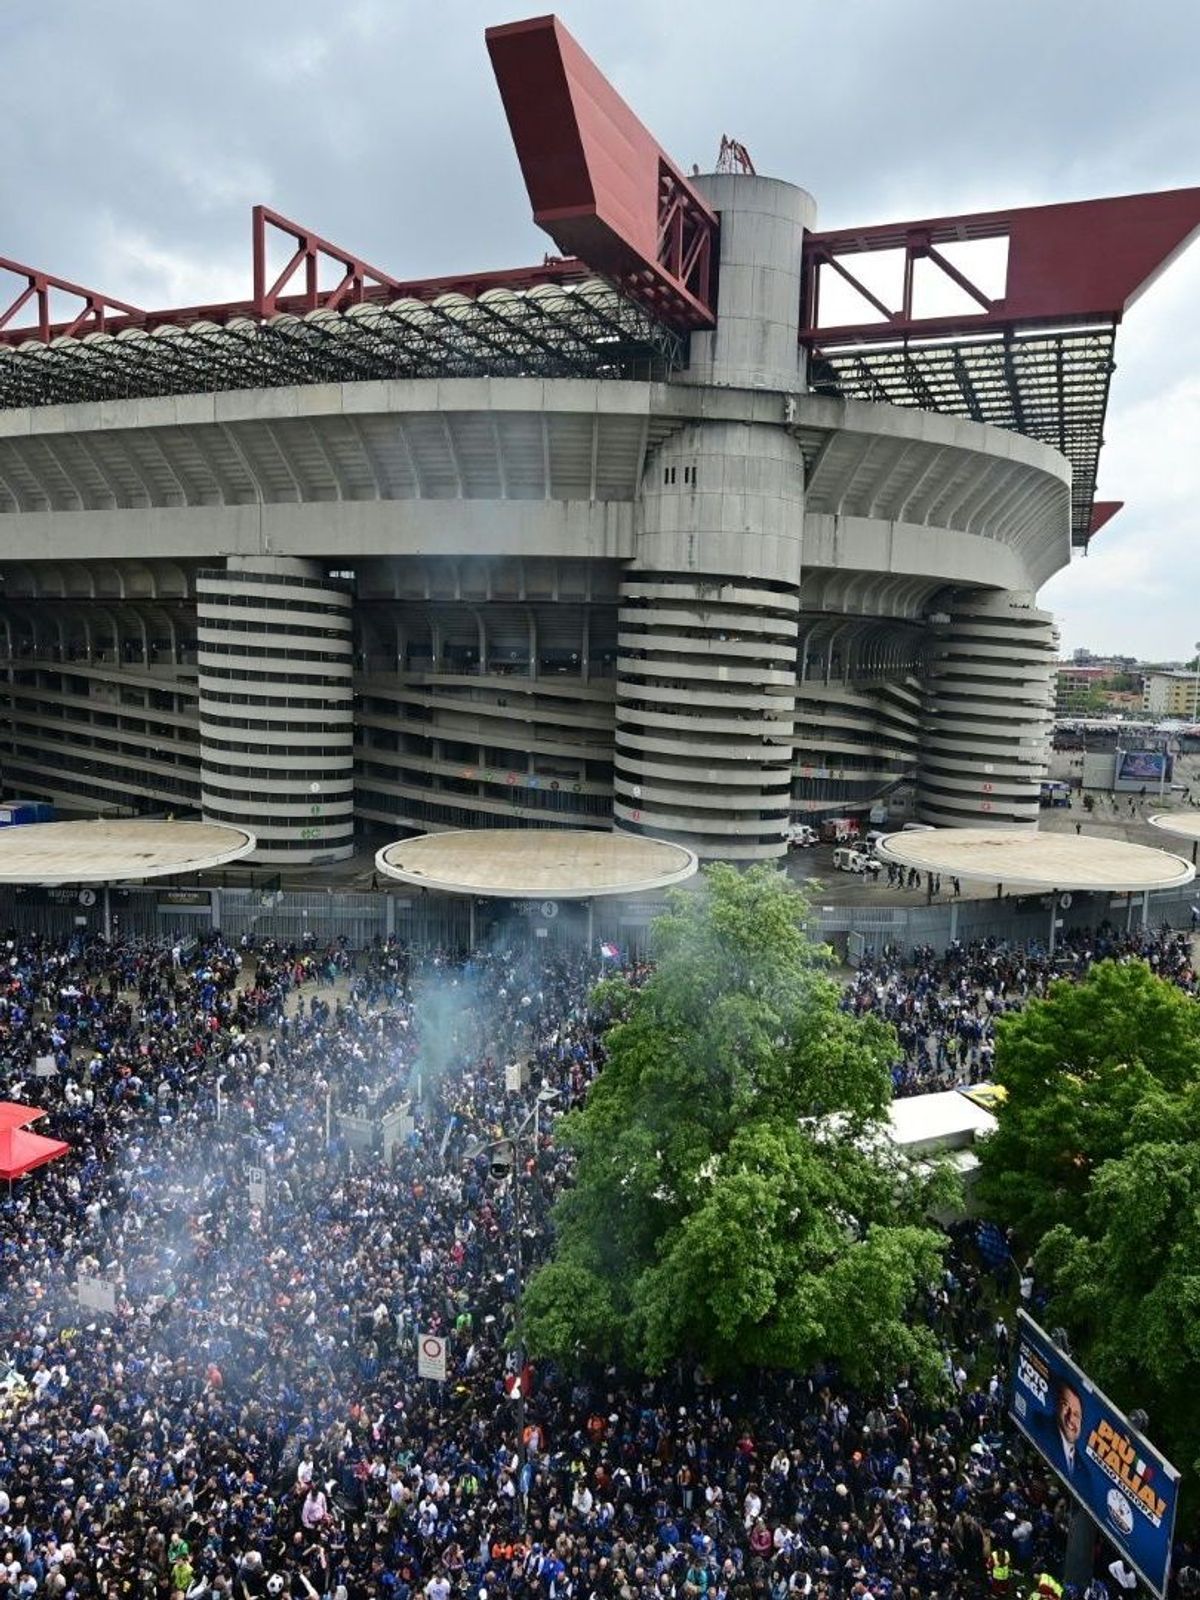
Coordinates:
1032	353
582	329
1049	386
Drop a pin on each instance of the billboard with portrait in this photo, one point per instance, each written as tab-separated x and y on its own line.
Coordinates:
1137	769
1122	1482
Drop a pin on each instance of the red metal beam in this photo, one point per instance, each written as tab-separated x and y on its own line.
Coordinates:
92	316
310	250
1086	261
552	270
598	181
1103	511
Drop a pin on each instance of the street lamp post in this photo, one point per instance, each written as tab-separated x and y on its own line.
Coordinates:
505	1164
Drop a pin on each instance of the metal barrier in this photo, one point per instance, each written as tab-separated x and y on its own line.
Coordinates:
428	922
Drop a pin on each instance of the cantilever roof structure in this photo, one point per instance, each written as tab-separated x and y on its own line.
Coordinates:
1034	355
1051	386
553	330
1180	824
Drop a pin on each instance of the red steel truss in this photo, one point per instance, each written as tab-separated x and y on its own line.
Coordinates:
93	315
1036	358
1079	262
359	284
598	181
309	252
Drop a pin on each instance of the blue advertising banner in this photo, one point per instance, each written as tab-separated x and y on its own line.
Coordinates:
1121	1481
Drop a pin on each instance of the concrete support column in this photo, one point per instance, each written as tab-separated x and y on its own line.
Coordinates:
276	707
707	630
989	709
754	344
707	625
706	673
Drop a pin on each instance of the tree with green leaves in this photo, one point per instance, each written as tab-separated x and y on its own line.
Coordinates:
1075	1067
1096	1164
736	1200
1126	1282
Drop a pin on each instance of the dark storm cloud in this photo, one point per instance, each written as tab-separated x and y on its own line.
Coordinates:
139	133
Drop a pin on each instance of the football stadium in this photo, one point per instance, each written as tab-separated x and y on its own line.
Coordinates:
707	523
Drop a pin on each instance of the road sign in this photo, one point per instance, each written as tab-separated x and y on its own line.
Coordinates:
431	1357
256	1179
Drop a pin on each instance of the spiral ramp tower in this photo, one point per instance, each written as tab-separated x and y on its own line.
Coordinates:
705	713
985	737
276	707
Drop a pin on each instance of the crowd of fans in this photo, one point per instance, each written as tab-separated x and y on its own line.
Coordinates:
249	1421
944	1006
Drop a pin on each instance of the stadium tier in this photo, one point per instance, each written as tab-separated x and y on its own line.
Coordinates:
712	522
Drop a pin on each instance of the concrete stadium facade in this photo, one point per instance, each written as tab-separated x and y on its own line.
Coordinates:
694	602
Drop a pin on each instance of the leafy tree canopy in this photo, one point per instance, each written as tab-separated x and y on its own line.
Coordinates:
1096	1162
1077	1066
1127	1282
736	1200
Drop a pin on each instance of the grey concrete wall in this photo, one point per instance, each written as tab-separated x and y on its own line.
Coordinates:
754	345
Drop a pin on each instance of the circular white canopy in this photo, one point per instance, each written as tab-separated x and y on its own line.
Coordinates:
536	863
1180	824
1028	860
110	852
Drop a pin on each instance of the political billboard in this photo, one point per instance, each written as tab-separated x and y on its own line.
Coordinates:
1120	1480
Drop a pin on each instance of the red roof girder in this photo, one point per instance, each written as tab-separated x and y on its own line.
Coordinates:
552	270
1103	511
93	316
1080	262
598	181
310	249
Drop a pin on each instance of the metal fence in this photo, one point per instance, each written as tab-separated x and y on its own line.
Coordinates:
1017	921
430	921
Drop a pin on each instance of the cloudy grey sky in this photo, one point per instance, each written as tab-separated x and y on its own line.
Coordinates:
139	133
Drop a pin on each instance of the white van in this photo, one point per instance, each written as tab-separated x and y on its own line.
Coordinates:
801	837
847	859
